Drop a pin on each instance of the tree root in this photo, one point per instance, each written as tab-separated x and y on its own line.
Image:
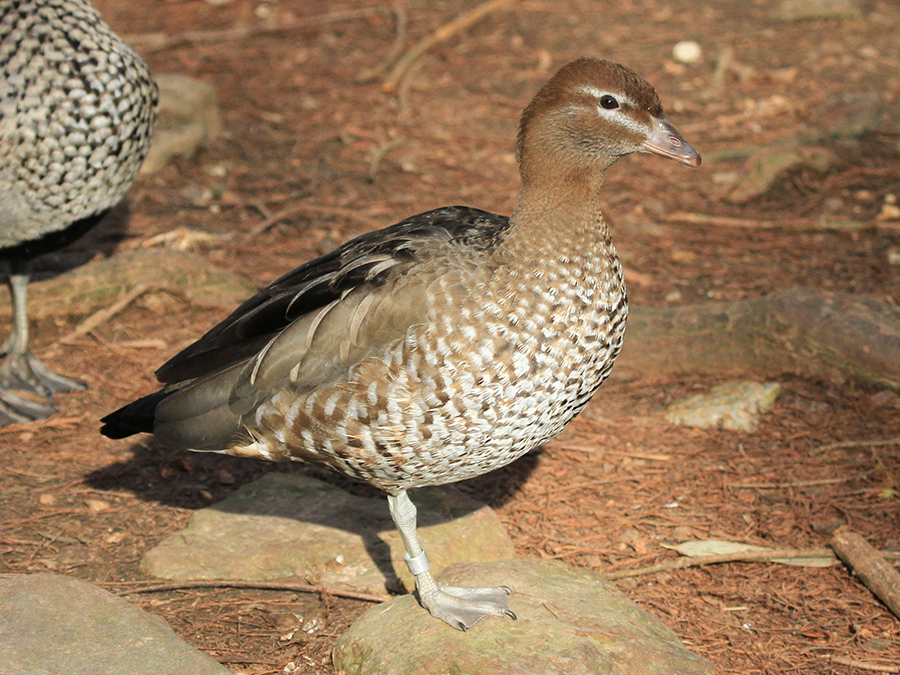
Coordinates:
819	334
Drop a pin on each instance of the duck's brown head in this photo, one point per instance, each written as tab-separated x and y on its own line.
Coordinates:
591	113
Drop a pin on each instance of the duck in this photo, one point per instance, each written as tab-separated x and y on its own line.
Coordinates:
77	110
442	347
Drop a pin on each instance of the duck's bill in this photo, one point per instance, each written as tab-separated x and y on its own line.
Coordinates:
664	140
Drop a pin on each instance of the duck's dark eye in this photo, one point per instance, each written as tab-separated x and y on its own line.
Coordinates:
608	102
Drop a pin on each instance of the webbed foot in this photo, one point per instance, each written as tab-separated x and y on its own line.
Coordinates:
24	408
463	607
23	372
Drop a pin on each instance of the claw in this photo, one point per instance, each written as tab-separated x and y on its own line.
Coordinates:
462	608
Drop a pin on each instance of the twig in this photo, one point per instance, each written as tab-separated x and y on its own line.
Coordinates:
740	556
859	444
458	24
862	665
306	209
101	316
868	564
379	154
723	65
750	223
400	22
141	587
403	90
161	41
706	219
793	484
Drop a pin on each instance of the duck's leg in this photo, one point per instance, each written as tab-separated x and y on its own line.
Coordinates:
459	607
21	371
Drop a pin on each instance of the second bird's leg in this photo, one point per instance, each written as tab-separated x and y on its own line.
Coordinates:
460	607
21	371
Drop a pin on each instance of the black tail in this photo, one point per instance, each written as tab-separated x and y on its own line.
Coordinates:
134	418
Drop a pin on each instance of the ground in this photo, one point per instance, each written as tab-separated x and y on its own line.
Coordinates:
301	130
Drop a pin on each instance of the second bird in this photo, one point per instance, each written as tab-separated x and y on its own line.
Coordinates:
77	109
442	347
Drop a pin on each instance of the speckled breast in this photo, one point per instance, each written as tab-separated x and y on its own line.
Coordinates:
77	107
472	388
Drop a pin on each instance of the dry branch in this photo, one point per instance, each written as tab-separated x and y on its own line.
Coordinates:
863	665
767	555
868	564
379	155
311	209
101	316
740	556
445	32
859	444
237	583
813	333
754	224
400	21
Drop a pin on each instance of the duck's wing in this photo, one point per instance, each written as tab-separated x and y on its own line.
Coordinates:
333	310
310	327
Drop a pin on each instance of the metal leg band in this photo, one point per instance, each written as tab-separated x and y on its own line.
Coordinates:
418	564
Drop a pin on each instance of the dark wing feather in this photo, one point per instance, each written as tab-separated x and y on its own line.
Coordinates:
370	259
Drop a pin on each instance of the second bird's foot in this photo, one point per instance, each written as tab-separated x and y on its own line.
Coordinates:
463	607
23	407
23	372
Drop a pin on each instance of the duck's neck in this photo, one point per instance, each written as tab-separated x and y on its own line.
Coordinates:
557	218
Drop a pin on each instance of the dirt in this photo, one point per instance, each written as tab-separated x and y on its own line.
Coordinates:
620	484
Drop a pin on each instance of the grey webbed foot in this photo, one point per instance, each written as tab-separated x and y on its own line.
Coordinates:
23	372
15	409
462	607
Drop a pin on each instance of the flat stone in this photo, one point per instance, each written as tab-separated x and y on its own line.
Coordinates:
732	405
189	119
570	622
804	10
769	165
51	624
292	526
854	114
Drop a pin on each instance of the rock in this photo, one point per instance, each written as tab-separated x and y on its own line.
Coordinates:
853	114
770	165
733	405
100	283
284	525
888	212
570	622
803	10
687	52
54	624
188	120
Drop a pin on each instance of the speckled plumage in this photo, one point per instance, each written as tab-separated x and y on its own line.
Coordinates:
77	109
470	388
442	347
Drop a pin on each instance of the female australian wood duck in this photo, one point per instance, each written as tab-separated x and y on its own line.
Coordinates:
77	109
440	348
